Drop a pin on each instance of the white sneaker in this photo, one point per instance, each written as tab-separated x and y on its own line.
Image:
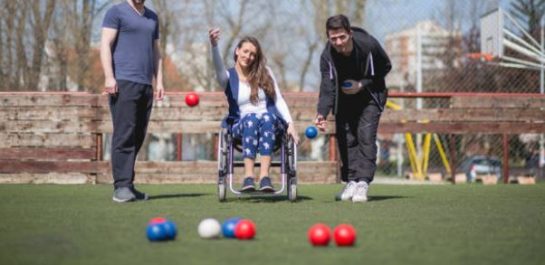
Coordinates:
347	192
360	193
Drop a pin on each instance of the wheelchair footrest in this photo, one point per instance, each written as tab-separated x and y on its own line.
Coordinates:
256	192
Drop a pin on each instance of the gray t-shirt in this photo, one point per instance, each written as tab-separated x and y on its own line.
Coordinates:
133	53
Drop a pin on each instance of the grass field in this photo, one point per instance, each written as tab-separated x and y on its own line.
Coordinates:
402	224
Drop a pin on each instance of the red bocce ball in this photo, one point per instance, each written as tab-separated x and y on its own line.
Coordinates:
192	99
245	229
319	235
157	220
344	235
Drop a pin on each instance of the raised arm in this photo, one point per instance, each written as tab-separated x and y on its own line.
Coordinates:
221	73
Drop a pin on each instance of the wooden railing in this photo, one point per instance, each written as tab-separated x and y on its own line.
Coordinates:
57	137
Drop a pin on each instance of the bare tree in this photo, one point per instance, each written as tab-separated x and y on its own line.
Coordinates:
235	24
321	10
2	56
166	11
196	65
452	16
234	19
530	12
8	20
58	66
359	12
21	57
69	44
40	22
84	13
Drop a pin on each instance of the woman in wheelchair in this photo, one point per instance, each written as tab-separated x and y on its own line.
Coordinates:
257	110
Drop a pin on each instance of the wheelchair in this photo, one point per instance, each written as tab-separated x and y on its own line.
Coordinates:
227	144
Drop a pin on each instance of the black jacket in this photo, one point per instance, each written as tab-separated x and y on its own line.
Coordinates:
374	64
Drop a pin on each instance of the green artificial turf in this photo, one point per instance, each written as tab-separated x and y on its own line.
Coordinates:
401	224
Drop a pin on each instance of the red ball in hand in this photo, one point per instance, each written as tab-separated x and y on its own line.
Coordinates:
319	235
192	99
345	235
245	229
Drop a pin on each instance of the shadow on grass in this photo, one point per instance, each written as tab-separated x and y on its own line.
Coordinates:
383	198
176	195
266	199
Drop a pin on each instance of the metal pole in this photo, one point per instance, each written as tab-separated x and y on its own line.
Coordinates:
452	147
418	85
542	74
418	66
400	158
505	158
541	163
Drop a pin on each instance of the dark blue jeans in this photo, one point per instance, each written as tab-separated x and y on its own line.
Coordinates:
131	110
356	132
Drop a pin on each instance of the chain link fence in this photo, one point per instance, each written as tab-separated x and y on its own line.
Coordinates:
428	42
431	52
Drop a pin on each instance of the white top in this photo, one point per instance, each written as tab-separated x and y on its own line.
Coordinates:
244	90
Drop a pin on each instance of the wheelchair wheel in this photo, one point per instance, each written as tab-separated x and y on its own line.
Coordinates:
222	192
291	156
292	189
292	170
222	166
222	151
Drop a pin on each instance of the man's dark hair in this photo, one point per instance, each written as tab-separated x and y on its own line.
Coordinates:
337	22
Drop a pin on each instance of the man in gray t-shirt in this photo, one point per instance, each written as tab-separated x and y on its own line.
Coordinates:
131	60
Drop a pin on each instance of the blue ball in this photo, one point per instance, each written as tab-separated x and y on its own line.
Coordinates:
311	132
156	232
170	229
228	227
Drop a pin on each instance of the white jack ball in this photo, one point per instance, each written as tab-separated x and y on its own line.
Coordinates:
209	228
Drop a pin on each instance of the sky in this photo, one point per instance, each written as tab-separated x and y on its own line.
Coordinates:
385	16
382	17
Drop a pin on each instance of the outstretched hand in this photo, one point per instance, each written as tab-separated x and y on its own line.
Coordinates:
320	122
214	35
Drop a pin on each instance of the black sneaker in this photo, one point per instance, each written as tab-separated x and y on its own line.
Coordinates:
139	196
265	185
248	185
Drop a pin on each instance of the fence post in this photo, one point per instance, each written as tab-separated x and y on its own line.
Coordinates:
505	158
452	147
332	148
179	143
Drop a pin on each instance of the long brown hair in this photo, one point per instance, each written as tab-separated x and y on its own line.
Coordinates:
258	76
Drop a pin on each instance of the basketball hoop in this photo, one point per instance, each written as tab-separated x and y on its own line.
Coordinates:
485	57
497	35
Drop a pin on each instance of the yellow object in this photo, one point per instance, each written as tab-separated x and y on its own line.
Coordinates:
442	153
419	166
426	154
413	158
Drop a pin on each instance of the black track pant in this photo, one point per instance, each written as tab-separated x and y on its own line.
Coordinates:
356	132
130	109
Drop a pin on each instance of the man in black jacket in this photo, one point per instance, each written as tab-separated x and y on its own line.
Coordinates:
353	66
